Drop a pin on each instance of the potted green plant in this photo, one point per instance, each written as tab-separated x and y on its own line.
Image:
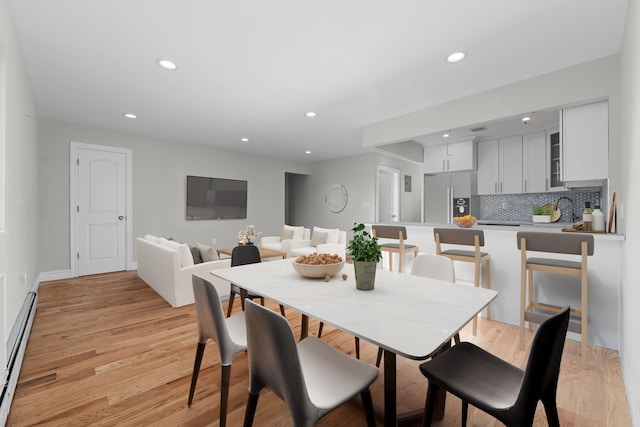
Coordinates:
542	213
366	253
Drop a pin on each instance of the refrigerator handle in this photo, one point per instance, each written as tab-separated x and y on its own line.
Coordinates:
449	205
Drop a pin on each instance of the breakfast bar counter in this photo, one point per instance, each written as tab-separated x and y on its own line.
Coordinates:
501	243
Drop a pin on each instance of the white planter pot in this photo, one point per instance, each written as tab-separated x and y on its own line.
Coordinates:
541	218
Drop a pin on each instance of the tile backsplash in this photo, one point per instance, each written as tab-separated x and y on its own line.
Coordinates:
518	207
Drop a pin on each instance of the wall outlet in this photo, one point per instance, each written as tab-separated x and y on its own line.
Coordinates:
213	241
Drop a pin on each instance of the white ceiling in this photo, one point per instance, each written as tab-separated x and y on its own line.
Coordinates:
254	68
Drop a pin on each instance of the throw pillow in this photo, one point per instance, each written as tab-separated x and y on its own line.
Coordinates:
195	253
298	232
333	234
318	238
286	234
207	253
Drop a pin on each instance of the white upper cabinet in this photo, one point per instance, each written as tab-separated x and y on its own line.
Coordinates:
534	162
584	141
500	166
451	157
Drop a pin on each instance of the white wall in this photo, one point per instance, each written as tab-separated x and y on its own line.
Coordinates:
630	155
18	253
159	184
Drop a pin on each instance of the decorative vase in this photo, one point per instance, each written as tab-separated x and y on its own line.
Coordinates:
365	272
542	218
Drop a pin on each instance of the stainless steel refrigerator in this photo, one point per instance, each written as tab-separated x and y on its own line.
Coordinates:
441	194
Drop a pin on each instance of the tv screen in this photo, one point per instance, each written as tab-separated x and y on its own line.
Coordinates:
216	198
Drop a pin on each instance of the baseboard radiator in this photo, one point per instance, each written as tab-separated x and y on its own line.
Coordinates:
16	346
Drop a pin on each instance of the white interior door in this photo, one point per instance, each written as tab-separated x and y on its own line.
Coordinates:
388	196
101	211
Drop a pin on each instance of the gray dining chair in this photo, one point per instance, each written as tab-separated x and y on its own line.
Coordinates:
228	332
311	376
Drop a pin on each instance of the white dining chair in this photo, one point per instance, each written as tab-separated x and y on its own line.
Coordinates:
432	266
311	376
230	333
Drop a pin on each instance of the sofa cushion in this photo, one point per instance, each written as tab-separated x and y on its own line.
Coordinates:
298	232
186	260
207	253
286	234
151	238
195	253
333	234
318	238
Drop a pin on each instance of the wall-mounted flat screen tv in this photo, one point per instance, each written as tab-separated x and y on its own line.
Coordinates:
216	198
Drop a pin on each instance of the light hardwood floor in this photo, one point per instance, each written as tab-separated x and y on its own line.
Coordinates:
107	350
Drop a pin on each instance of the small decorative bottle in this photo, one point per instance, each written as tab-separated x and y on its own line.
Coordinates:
598	218
587	217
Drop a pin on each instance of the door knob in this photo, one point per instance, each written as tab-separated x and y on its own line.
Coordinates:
120	217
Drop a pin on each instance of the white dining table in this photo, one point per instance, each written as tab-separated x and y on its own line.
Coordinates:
405	315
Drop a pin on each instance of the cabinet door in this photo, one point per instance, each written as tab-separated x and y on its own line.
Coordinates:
534	162
488	167
585	142
461	157
434	159
555	160
510	163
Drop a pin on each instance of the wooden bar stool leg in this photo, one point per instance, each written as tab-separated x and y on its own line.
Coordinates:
401	261
584	318
390	261
523	294
487	284
531	300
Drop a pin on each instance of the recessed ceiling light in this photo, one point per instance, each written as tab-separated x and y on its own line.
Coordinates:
446	135
244	139
130	115
166	64
526	119
311	114
456	57
307	152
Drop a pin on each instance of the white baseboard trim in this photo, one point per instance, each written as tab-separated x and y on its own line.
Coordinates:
632	395
53	275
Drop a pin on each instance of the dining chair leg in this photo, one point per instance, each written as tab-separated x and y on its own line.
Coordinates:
465	412
320	329
357	343
252	404
196	370
367	404
224	394
551	410
456	338
232	297
282	310
430	404
379	357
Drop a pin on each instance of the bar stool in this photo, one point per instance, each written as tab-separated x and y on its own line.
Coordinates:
394	232
560	243
466	237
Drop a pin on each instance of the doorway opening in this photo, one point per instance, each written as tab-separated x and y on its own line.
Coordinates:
388	194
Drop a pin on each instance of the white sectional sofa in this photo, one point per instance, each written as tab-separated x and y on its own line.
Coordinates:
283	242
323	240
167	269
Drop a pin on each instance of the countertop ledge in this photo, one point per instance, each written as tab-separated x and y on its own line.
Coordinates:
520	226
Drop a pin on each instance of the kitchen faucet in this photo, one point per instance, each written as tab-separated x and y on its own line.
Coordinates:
573	213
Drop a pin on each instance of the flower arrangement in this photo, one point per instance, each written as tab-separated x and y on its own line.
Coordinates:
249	235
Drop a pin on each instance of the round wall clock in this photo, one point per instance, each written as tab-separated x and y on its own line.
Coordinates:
336	198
